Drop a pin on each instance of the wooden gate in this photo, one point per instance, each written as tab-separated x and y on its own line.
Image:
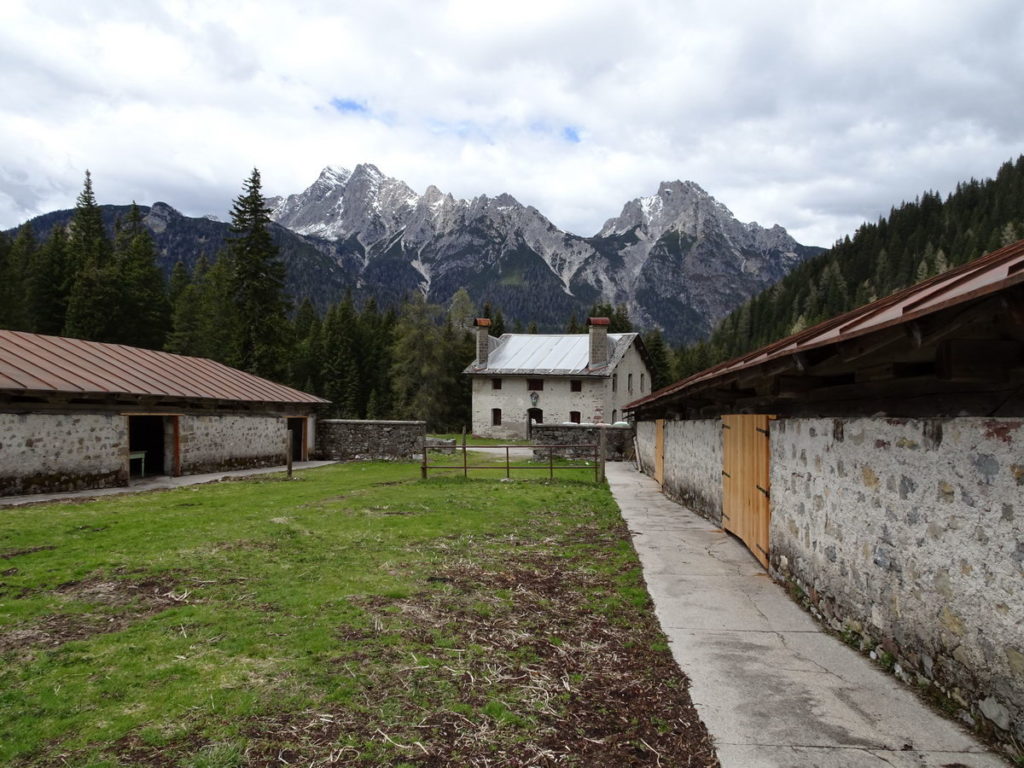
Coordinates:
746	510
659	451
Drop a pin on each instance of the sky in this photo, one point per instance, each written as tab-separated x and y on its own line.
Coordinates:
814	115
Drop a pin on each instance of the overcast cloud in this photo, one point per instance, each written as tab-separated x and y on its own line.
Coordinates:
813	115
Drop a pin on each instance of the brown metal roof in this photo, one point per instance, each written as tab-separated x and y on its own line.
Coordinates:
30	362
987	275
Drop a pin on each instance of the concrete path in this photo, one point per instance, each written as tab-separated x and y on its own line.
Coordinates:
773	689
152	484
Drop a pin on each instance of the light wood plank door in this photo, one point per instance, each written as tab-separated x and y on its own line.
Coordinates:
746	478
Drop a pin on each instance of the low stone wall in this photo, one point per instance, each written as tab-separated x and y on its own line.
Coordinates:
618	445
49	452
221	442
693	465
907	536
341	439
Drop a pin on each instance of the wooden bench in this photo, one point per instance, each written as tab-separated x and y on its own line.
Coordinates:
141	456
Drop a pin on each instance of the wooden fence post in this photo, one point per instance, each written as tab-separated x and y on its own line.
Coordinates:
602	447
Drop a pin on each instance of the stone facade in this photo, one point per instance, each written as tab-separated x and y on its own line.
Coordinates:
645	442
693	465
42	452
342	439
211	443
908	537
599	402
618	440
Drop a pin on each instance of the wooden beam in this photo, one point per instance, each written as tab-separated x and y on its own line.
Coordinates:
892	370
980	360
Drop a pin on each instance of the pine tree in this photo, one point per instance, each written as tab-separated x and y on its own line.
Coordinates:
498	326
419	373
142	312
461	309
15	263
94	291
256	286
48	284
661	367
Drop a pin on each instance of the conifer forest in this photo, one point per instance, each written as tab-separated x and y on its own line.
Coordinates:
405	361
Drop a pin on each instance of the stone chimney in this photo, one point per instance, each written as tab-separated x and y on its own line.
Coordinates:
598	341
483	340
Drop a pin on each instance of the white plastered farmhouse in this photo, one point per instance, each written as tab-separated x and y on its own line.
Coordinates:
554	378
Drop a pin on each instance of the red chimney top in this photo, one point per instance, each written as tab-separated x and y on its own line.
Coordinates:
482	322
598	321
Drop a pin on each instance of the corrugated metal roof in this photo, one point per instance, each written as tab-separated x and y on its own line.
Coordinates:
561	354
30	362
989	274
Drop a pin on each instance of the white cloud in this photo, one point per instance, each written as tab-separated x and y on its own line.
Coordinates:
815	115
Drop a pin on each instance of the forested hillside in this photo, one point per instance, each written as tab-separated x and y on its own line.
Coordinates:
915	241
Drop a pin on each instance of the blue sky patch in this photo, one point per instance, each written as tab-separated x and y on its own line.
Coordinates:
571	134
349	106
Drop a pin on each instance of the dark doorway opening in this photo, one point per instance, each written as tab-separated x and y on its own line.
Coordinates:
298	438
535	415
146	446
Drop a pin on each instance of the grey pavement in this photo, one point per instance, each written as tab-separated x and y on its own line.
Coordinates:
155	483
774	690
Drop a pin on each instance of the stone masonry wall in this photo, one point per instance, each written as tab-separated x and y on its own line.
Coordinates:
693	465
693	462
341	439
211	443
41	452
618	445
908	537
645	445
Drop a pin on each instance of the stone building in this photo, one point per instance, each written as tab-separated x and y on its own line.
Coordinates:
524	378
875	463
79	414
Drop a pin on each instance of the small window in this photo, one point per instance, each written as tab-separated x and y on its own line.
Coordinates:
629	383
495	417
615	417
535	385
574	417
575	385
615	382
495	383
641	382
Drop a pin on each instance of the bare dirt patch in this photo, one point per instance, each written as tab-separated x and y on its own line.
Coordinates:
529	674
118	603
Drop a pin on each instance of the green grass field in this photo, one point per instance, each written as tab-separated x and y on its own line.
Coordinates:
354	615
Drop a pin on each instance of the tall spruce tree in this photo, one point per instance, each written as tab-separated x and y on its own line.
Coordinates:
256	284
48	284
16	259
143	311
94	292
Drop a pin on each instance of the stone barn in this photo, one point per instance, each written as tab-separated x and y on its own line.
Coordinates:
79	414
875	464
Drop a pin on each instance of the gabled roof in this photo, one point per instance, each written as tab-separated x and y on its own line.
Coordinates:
991	274
558	354
37	364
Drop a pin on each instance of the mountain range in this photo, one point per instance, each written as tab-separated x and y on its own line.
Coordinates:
679	260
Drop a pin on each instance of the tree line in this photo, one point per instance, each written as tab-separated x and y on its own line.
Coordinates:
404	362
915	241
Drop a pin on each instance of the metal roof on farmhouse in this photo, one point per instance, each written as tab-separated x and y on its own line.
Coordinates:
32	363
559	354
995	272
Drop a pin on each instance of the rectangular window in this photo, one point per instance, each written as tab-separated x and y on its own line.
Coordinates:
629	383
574	417
575	385
495	417
615	382
535	385
641	383
495	383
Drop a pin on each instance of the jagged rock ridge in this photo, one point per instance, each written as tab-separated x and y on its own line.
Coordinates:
678	259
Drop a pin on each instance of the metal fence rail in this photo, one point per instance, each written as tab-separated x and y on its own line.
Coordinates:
595	451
